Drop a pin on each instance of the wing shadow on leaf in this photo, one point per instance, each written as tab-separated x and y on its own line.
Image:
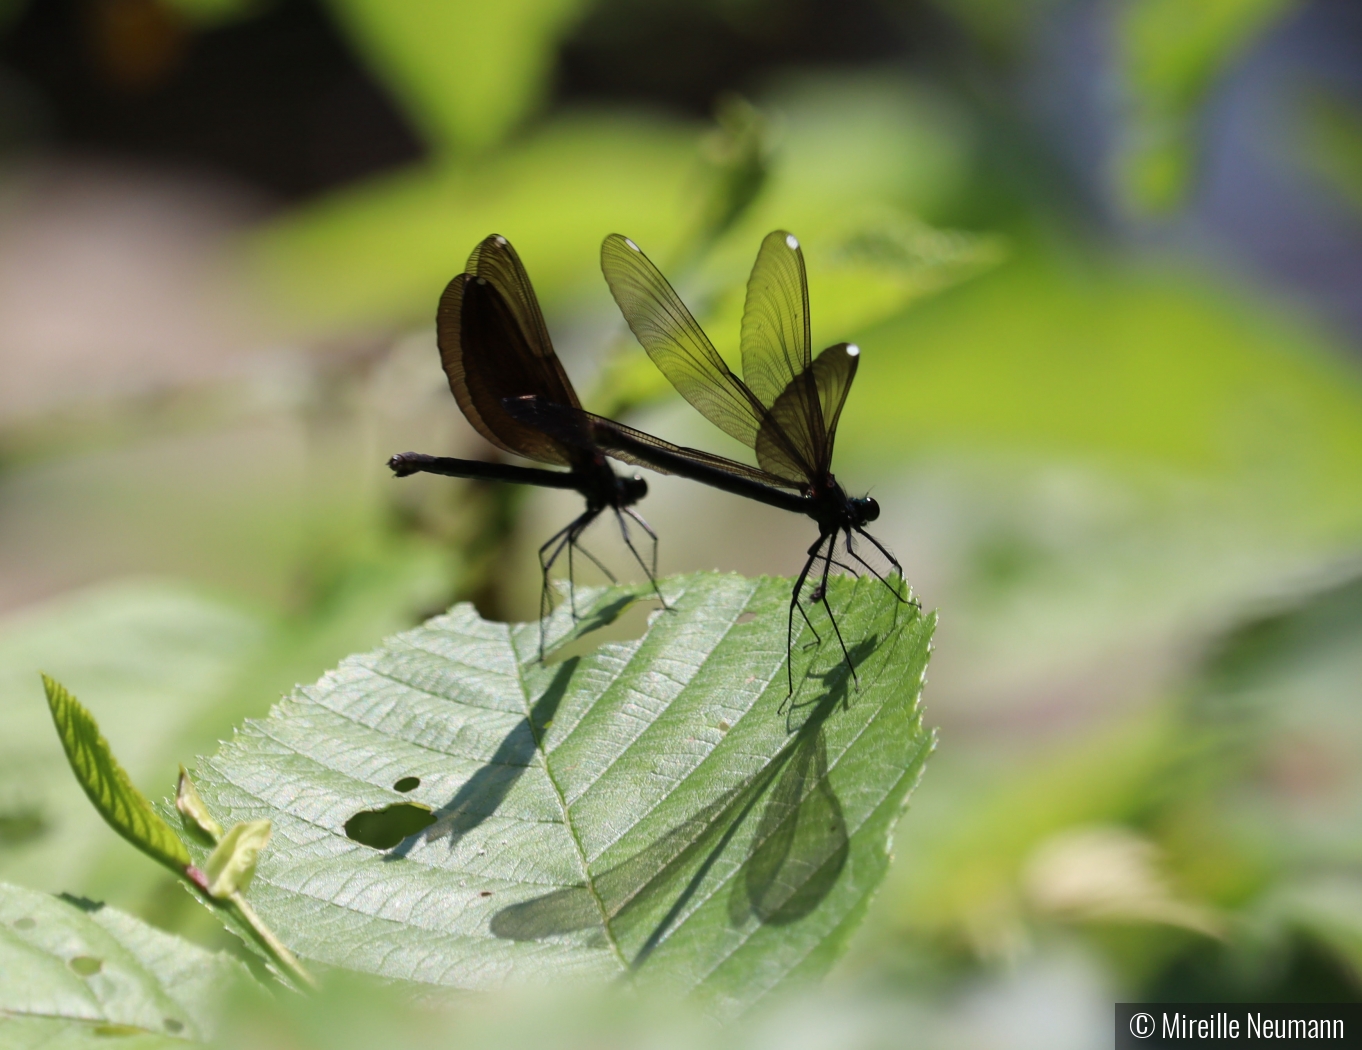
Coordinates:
798	851
802	844
485	790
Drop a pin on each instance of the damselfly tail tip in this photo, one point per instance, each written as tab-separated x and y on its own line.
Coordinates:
405	464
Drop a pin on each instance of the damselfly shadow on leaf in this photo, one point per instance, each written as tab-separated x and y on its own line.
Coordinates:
794	857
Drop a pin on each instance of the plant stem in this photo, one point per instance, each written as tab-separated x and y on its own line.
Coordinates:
285	958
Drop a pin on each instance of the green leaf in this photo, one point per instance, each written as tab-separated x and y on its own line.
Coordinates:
1026	359
154	659
653	808
231	865
193	813
737	154
167	670
1004	27
1326	907
75	971
851	149
122	806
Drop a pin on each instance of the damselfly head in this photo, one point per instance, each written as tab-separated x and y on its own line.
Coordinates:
865	509
633	489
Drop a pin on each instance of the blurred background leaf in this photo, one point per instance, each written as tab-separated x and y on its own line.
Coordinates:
466	73
1173	54
1334	140
78	972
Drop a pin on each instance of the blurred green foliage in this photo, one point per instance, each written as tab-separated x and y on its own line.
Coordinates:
1125	366
1334	144
77	973
467	74
1173	52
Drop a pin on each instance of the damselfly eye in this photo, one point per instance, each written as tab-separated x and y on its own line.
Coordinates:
870	510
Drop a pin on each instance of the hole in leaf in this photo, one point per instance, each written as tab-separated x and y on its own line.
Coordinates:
746	617
385	828
407	784
485	893
86	965
624	626
24	924
173	1025
119	1030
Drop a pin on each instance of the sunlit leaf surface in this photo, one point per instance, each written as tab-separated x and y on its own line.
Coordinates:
649	808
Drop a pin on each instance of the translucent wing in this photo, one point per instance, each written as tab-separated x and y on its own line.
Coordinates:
775	318
787	431
792	426
676	343
487	358
833	371
495	261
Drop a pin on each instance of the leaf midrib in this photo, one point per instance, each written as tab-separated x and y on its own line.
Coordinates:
635	742
563	806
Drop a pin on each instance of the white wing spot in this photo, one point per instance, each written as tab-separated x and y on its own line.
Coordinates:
853	350
501	239
792	241
632	245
